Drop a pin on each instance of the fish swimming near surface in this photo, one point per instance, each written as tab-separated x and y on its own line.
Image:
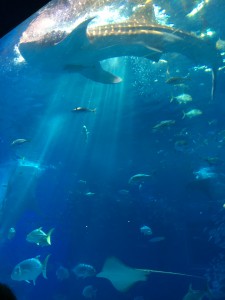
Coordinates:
39	237
30	269
82	50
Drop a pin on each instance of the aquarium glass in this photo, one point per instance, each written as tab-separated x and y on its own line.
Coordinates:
112	151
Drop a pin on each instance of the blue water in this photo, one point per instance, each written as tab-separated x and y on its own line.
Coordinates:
44	182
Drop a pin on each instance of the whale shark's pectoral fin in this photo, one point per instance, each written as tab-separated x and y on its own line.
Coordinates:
95	73
154	56
155	53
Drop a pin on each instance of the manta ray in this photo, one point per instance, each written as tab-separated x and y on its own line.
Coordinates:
86	46
124	277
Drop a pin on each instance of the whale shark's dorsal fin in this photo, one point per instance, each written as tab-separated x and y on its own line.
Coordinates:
78	37
144	13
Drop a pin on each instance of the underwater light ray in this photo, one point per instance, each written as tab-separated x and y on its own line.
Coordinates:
108	116
20	194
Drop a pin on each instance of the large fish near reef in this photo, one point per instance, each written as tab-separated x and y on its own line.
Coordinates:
30	269
85	47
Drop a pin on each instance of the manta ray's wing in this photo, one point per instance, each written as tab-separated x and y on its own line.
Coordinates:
121	276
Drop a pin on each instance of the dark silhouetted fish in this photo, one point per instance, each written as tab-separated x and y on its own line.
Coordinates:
178	80
83	109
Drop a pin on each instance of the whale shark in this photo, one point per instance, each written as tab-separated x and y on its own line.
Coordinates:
82	50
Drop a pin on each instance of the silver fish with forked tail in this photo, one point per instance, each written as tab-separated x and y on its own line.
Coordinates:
39	237
30	269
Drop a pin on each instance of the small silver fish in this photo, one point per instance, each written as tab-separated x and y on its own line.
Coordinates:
89	194
178	80
19	142
39	237
84	270
205	173
138	178
182	98
163	124
192	113
30	269
146	230
213	160
62	273
11	233
220	45
85	133
123	192
89	292
157	239
83	109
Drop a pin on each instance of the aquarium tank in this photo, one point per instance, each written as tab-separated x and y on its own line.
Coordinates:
112	157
